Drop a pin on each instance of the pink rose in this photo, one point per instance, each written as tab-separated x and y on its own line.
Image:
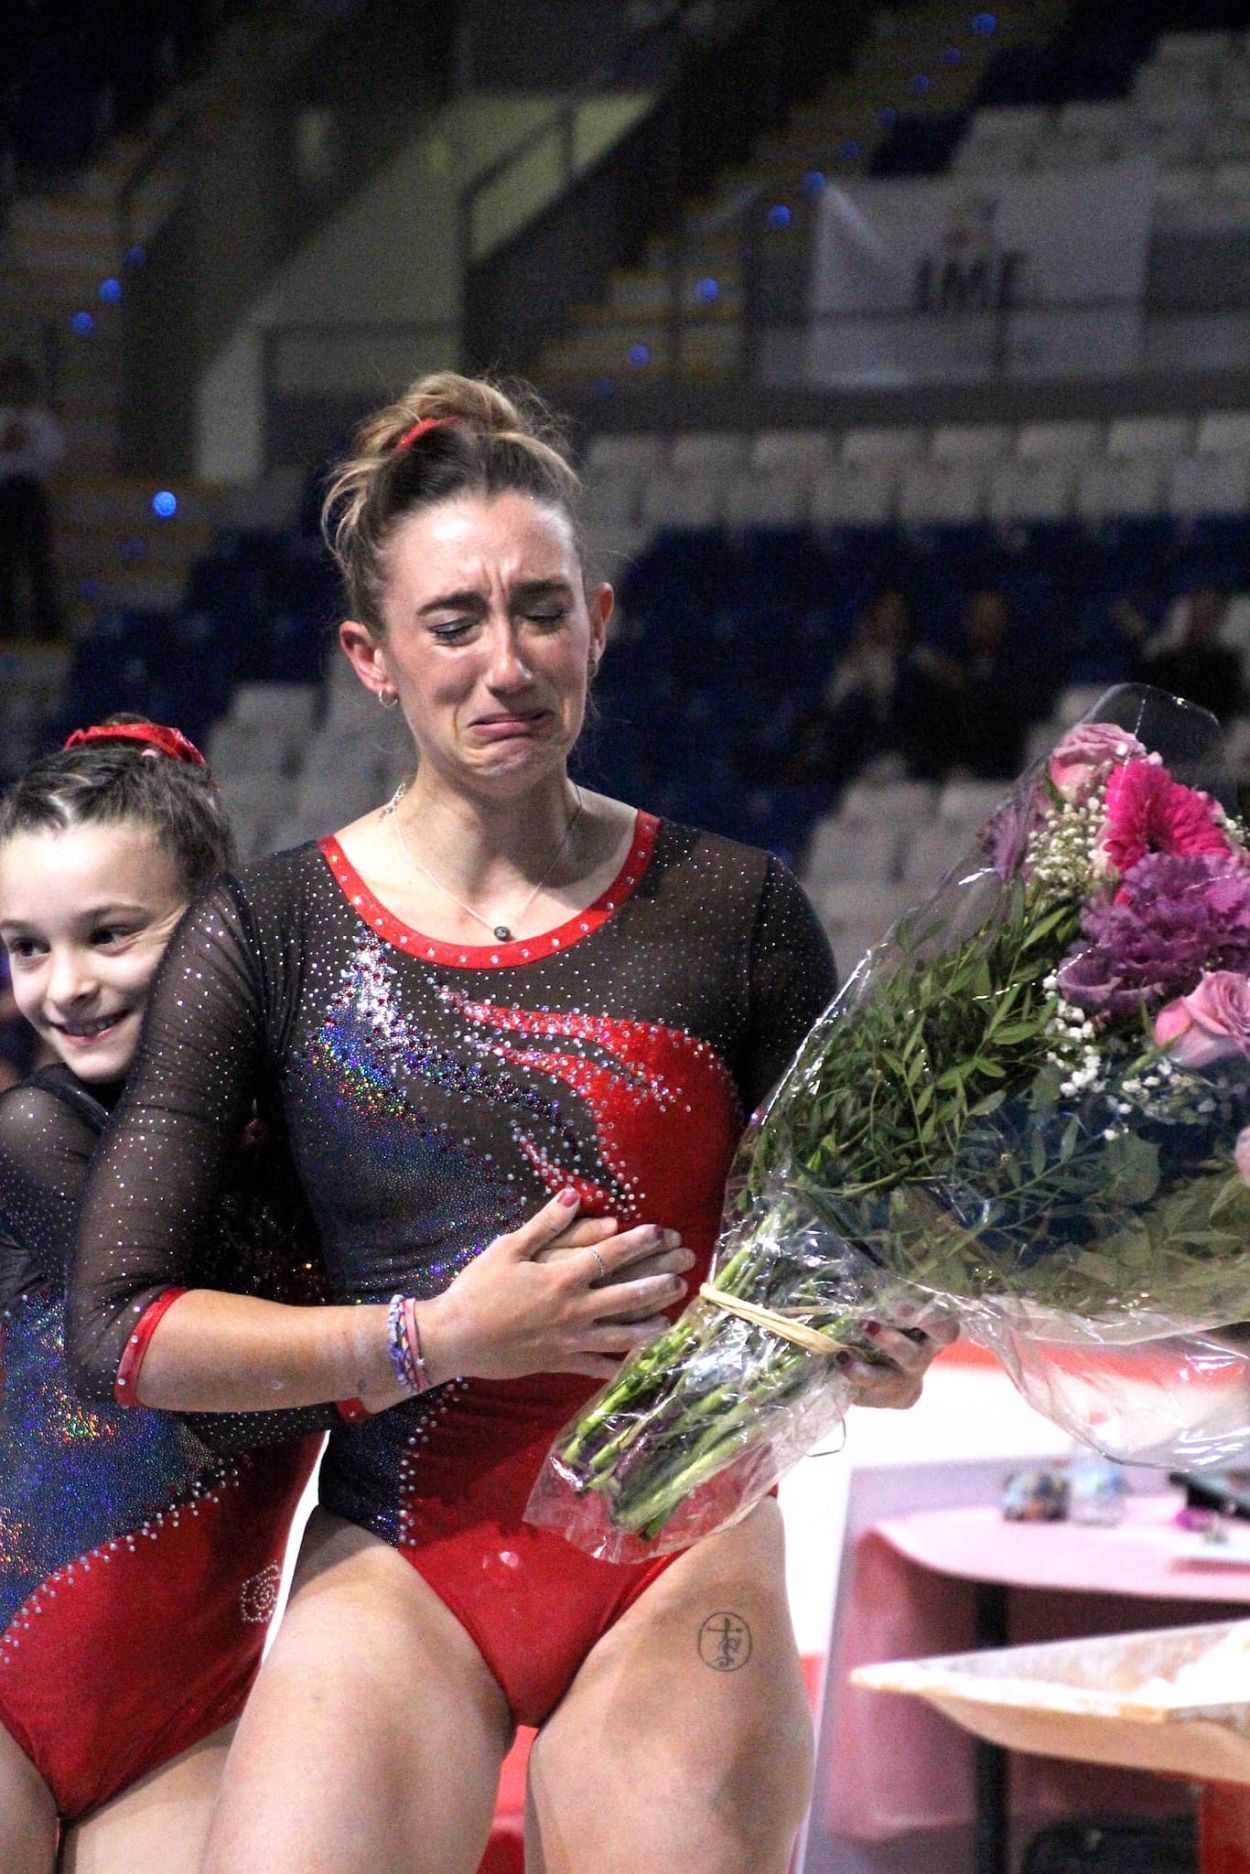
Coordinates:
1241	1154
1210	1024
1086	755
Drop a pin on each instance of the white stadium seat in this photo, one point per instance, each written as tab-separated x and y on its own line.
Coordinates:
935	850
882	445
780	499
792	448
970	442
998	123
675	499
630	455
1072	440
1209	484
1130	486
1221	432
941	493
853	495
840	851
1031	491
1150	436
1073	702
982	158
708	451
868	803
856	915
969	803
1085	116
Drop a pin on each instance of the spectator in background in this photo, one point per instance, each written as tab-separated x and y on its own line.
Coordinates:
1200	668
31	446
879	699
989	695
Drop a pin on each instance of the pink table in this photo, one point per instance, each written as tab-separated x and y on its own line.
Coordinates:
896	1764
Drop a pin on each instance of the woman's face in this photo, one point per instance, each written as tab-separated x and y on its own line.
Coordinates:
85	915
490	638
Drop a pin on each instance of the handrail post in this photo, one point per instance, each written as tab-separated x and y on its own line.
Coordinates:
676	269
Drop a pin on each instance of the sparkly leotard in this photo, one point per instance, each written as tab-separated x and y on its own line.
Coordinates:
435	1095
139	1552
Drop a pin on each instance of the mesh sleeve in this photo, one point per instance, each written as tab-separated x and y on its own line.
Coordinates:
792	979
161	1169
45	1146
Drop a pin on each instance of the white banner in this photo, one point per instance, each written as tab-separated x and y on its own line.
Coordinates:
963	277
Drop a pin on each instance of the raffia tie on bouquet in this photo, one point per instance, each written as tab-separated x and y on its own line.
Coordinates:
784	1323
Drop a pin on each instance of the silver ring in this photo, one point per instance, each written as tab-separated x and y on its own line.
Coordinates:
603	1267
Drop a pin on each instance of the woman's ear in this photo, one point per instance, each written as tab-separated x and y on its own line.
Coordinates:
366	656
599	604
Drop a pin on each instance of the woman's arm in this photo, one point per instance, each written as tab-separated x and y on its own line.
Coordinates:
516	1309
139	1328
45	1146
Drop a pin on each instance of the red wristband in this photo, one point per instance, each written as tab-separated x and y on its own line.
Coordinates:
126	1385
353	1411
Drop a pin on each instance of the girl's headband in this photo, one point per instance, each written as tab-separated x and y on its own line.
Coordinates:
420	429
171	742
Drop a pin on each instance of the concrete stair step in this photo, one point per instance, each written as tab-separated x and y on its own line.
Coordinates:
591	352
64	216
61	251
693	313
83	550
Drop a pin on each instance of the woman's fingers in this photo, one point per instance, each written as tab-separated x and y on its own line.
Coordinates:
886	1387
635	1299
584	1234
542	1229
905	1346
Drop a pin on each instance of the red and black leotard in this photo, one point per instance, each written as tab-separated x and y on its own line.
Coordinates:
140	1553
434	1096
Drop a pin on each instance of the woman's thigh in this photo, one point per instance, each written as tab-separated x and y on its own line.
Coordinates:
372	1741
158	1825
28	1824
685	1739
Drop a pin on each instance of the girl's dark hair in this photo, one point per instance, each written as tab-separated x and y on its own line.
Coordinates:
482	440
108	783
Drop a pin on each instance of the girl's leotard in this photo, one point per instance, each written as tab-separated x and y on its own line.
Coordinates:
140	1553
434	1096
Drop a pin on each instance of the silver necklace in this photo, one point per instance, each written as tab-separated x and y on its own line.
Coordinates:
503	933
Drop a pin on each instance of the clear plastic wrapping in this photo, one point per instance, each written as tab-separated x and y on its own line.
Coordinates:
1030	1106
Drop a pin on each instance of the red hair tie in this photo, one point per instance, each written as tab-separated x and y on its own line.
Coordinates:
171	742
420	429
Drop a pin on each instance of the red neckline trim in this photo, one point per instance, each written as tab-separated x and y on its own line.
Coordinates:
415	943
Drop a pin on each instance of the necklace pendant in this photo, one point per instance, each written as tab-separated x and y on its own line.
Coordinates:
503	933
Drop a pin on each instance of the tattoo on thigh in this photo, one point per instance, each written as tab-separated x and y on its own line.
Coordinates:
724	1642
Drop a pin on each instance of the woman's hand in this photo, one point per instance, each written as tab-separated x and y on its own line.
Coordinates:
554	1297
670	1258
906	1349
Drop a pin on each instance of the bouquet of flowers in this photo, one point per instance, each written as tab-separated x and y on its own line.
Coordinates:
1029	1104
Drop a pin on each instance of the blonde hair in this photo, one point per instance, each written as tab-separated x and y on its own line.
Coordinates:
482	440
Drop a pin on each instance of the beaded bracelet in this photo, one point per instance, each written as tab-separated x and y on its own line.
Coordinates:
403	1344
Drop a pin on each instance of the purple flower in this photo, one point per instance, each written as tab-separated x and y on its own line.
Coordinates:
1180	916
